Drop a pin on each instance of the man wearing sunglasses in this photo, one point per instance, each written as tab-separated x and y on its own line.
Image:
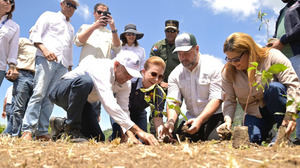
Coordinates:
95	39
198	81
53	36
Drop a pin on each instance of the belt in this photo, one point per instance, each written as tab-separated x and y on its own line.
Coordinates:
27	71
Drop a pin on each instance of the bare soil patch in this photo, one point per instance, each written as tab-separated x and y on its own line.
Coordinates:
19	153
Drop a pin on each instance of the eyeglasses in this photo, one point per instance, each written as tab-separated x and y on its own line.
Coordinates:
236	59
10	1
104	13
170	31
154	75
130	34
69	5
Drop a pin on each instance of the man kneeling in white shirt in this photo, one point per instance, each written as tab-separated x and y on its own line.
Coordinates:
198	81
94	80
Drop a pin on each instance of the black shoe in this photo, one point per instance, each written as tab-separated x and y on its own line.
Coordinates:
76	136
57	127
296	141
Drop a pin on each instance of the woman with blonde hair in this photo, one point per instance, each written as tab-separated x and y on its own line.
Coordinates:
152	74
261	107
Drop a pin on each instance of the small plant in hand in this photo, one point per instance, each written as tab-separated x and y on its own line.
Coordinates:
153	94
154	100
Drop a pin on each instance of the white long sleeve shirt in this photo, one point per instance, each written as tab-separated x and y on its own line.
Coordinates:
9	40
113	96
197	87
9	95
57	34
98	45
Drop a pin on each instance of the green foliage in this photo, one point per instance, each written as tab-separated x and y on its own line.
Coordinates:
153	89
261	17
2	128
107	133
266	76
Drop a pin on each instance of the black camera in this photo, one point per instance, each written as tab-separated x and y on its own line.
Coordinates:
105	13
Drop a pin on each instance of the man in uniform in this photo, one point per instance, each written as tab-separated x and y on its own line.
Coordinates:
164	49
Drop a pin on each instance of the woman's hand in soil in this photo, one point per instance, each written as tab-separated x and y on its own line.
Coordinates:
224	128
290	126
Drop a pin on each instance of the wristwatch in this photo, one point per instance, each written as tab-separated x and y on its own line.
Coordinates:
114	31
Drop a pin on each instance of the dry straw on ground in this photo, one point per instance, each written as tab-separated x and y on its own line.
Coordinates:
19	153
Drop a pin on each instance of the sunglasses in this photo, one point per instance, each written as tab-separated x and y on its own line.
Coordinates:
69	5
236	59
154	75
170	31
130	34
10	1
104	13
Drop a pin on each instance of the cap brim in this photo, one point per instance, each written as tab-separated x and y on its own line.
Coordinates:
182	48
170	27
77	3
134	73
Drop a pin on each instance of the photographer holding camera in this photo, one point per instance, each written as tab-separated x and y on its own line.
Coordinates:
95	39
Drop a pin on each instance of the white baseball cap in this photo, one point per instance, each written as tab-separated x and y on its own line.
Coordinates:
130	61
76	1
184	42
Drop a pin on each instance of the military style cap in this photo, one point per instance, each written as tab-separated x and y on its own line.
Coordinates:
76	1
171	24
184	42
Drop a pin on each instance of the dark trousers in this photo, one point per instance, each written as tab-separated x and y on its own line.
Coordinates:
207	131
71	95
139	118
275	100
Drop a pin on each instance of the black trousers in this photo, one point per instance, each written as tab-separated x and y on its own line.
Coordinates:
207	130
71	95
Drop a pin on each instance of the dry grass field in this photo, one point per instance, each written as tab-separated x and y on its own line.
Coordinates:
16	152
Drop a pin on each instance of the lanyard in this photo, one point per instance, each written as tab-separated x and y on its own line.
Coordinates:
3	23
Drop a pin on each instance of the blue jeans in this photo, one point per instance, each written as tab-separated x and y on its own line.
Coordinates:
2	75
40	107
23	88
296	65
275	100
8	110
72	95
